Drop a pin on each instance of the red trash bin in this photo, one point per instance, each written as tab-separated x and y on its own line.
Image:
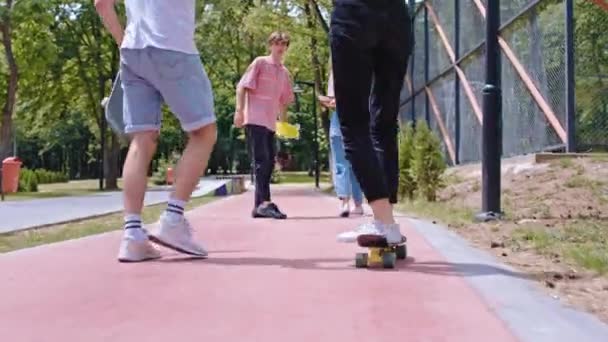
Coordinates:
169	179
11	167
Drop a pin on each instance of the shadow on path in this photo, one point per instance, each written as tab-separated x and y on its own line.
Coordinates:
316	218
435	268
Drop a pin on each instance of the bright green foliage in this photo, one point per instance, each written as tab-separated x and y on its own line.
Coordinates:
407	180
428	164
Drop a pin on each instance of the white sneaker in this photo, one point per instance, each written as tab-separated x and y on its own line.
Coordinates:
344	210
136	247
358	210
393	233
371	228
176	233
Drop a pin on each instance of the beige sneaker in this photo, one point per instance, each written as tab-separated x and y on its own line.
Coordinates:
136	249
176	233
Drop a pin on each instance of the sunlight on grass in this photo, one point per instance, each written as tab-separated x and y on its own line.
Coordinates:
71	188
599	158
444	212
289	177
583	242
537	236
579	181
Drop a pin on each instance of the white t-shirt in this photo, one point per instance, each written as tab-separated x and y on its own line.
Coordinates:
164	24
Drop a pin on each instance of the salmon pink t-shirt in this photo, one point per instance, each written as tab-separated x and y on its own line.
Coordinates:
269	92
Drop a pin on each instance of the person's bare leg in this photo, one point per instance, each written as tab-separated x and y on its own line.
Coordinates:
135	245
135	171
194	161
383	211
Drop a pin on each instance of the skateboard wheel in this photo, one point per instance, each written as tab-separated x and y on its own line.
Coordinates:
401	252
388	260
361	260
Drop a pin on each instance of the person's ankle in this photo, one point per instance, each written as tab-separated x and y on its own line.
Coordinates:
175	208
386	219
386	222
383	211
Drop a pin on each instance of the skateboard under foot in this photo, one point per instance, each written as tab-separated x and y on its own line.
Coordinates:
380	252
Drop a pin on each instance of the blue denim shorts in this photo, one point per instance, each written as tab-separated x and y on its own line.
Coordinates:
152	76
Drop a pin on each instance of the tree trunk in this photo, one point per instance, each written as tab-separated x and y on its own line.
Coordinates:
111	166
6	130
112	155
111	151
316	64
319	14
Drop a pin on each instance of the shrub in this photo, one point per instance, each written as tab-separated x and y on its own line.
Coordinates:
160	176
428	164
47	177
407	182
276	176
28	181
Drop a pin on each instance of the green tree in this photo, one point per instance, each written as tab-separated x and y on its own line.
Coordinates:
71	62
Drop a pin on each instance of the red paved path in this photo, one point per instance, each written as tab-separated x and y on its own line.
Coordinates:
264	281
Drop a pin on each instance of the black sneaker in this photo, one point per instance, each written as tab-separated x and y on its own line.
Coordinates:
255	214
269	211
278	213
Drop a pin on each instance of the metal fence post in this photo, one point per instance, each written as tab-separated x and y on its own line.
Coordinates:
412	9
456	82
426	65
570	78
492	113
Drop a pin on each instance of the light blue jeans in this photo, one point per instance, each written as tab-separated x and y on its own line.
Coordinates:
345	182
151	76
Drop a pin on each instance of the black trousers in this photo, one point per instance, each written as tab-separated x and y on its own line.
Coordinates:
262	151
371	39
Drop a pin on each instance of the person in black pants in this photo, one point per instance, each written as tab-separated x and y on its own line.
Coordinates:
262	150
263	95
371	39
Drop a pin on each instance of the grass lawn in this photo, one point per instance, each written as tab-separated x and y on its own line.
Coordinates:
74	230
91	186
300	177
71	188
452	215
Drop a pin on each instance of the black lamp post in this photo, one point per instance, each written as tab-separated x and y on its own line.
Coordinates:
299	90
492	116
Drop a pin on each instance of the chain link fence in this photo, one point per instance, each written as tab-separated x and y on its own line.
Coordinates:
446	76
591	76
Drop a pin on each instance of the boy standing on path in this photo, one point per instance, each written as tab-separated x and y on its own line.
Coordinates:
262	95
371	37
160	62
